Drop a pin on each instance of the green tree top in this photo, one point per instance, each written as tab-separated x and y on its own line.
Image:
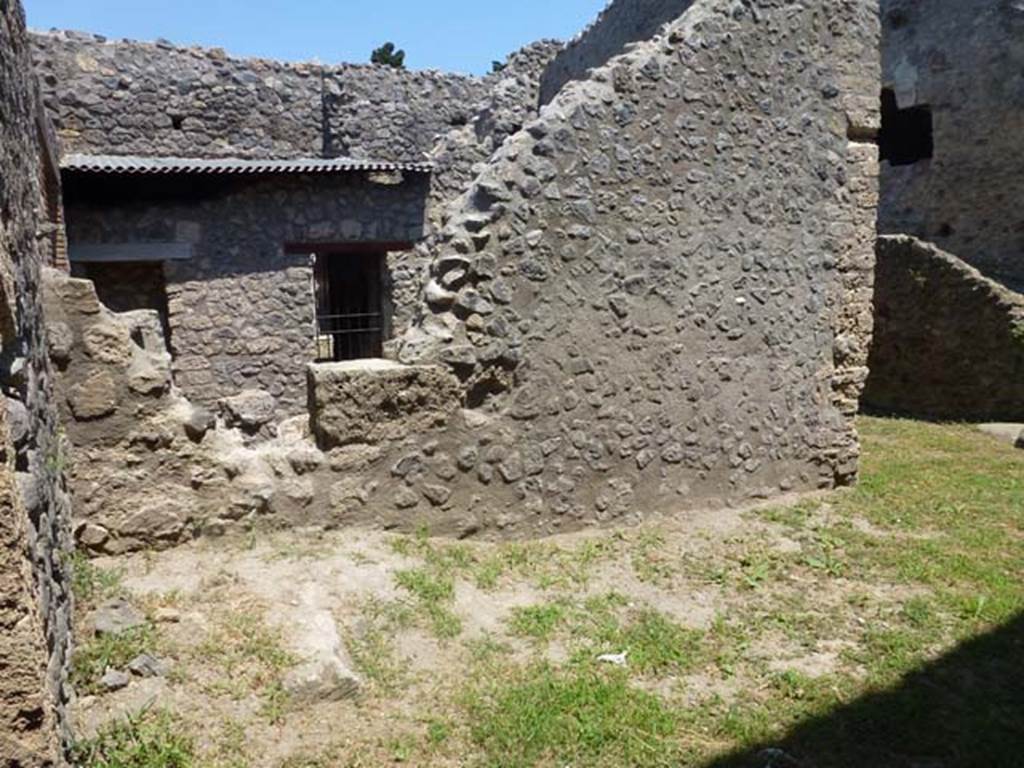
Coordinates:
387	56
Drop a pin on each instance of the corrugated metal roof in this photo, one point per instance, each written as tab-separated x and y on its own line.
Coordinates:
132	164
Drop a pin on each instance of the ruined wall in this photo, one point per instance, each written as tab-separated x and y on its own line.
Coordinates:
34	510
114	97
621	23
966	61
923	362
656	296
124	97
240	311
510	103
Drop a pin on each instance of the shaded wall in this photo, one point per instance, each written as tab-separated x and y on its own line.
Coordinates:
949	343
965	60
241	310
35	604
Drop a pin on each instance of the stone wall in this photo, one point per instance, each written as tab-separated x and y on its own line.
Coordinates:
656	295
621	23
241	310
511	102
925	362
390	114
34	510
965	60
125	97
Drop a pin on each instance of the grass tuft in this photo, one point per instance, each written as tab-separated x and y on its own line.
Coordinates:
547	716
147	740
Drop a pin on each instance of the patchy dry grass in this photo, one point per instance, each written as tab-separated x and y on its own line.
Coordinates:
146	740
879	625
245	657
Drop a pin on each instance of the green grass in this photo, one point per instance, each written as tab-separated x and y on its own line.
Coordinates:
92	657
90	583
538	621
148	740
433	590
541	715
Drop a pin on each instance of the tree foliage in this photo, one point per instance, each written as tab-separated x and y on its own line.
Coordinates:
387	55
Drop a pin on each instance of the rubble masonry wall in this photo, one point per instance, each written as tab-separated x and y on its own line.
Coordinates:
965	60
923	362
241	309
35	603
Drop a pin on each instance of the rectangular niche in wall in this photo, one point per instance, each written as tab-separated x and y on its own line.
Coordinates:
906	136
350	307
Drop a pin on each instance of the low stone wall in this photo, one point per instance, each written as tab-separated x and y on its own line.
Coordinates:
949	343
35	601
622	22
240	311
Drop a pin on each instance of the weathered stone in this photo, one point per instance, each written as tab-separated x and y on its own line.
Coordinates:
376	401
114	679
305	459
108	342
18	421
147	665
324	672
406	498
115	616
249	410
94	397
198	422
437	495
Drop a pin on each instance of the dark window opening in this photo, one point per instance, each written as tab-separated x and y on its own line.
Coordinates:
350	319
906	135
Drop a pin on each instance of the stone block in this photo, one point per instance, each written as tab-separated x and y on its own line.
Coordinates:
249	410
94	397
377	401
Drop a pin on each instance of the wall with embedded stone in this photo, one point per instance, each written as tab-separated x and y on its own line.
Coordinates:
966	62
510	103
657	295
124	97
240	311
923	363
620	24
34	508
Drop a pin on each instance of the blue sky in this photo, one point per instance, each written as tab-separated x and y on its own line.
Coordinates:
454	35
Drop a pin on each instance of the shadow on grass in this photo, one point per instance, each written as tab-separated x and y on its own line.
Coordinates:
964	710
